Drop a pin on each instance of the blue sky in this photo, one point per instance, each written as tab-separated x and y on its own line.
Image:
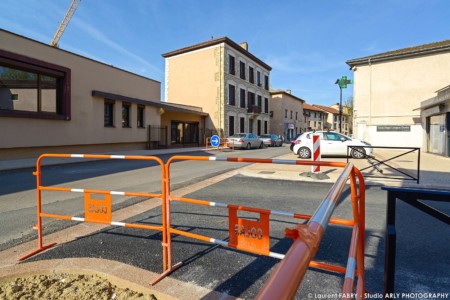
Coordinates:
305	42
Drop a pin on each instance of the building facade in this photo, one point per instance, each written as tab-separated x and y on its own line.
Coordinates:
315	118
226	80
52	100
332	121
389	91
287	114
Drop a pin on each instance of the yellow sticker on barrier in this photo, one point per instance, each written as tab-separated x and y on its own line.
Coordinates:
249	235
97	210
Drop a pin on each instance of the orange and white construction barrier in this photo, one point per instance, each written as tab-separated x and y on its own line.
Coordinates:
248	235
253	235
316	153
97	203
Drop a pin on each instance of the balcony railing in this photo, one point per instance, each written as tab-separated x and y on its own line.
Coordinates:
254	109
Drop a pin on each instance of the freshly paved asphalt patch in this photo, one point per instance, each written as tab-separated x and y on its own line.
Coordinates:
242	274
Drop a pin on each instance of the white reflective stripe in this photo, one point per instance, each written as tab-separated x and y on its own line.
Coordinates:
284	161
117	156
76	155
276	255
218	204
118	224
77	219
220	242
282	213
323	213
351	266
212	158
77	190
117	193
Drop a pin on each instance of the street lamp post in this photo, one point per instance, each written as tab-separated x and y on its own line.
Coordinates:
342	85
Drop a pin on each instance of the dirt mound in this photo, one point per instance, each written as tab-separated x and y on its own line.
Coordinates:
65	286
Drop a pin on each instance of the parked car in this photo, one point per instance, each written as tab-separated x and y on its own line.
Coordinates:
245	140
331	143
293	141
271	140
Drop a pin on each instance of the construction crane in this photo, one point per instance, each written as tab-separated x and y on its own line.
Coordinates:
65	21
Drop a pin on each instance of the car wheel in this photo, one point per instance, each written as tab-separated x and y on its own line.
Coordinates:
304	152
249	146
261	146
358	153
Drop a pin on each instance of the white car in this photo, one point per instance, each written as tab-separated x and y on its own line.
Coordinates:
331	143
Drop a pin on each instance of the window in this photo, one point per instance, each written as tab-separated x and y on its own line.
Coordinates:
126	107
242	99
250	125
251	75
259	127
266	82
230	125
231	95
242	125
251	100
296	115
140	116
258	78
242	69
266	105
231	65
259	101
109	113
265	127
285	113
33	89
291	114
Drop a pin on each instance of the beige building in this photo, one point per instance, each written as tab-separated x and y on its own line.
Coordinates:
53	100
287	114
332	121
399	95
347	112
226	80
315	118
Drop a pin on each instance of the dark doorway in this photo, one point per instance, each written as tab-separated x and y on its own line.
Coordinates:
184	133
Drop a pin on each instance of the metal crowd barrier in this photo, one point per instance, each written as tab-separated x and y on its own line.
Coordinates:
253	236
96	210
244	234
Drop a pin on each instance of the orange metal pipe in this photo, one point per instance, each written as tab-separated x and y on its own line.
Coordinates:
190	235
349	282
327	267
45	215
188	200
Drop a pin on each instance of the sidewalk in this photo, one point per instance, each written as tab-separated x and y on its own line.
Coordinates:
6	165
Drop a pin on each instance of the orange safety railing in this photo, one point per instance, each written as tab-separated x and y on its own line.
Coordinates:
98	210
253	236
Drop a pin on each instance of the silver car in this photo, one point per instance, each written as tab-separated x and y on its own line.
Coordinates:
245	140
271	140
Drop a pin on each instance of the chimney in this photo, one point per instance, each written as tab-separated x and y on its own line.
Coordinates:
289	91
244	45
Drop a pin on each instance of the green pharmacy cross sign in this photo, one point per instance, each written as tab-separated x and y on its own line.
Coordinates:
344	81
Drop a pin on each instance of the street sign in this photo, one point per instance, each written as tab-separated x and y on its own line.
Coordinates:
215	141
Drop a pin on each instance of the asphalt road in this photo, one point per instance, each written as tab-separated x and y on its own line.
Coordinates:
18	194
423	243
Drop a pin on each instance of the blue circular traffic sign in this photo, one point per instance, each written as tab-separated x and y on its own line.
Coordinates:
215	141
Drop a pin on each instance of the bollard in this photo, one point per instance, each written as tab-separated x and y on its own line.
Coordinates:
316	153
